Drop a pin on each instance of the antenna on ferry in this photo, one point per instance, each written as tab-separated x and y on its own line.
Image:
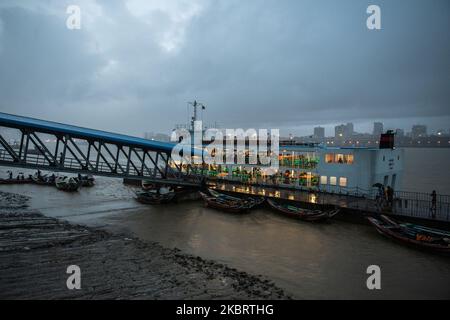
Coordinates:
195	104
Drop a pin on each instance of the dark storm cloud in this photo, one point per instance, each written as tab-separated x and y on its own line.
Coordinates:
39	62
134	64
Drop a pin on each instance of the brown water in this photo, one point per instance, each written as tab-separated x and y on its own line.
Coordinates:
307	260
426	170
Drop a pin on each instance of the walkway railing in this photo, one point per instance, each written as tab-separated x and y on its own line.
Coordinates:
405	203
69	164
420	205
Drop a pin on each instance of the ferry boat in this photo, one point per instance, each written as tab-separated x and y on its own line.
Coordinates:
349	170
318	167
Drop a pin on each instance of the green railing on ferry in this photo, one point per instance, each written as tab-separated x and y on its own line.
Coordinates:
299	163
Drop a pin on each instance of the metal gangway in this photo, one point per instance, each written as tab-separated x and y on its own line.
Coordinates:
88	151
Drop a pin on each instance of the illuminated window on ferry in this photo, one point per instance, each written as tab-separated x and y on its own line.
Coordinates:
348	158
342	181
339	158
323	180
329	158
333	181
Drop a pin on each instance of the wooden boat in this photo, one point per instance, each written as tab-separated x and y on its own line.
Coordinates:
420	228
147	185
153	197
251	201
229	205
87	181
185	194
43	179
414	235
301	213
69	184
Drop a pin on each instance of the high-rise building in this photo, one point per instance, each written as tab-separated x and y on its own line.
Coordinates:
319	133
344	131
340	131
400	133
377	129
350	129
418	131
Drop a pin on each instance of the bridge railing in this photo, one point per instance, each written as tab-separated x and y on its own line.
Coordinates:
5	156
52	146
68	163
38	161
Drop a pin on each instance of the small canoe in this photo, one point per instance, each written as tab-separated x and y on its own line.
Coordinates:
147	185
68	184
424	229
232	206
44	180
413	235
152	197
87	181
301	213
185	194
253	202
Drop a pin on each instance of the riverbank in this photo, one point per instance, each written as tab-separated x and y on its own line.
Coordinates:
309	261
36	250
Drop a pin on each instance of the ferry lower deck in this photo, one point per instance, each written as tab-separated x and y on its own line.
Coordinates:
411	205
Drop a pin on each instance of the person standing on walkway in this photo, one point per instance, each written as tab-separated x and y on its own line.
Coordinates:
390	196
379	199
433	204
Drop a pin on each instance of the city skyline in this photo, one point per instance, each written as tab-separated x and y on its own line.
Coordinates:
366	129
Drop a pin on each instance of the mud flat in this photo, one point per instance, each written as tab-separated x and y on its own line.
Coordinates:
35	252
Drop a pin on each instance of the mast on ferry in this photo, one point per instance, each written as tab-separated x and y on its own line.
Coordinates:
195	104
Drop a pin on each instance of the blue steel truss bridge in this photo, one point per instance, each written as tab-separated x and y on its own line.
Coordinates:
58	147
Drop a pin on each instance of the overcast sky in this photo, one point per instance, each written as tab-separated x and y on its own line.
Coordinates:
271	64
